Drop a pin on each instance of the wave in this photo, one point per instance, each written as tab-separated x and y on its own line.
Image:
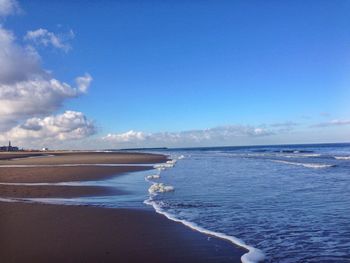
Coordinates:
342	157
307	165
293	151
254	255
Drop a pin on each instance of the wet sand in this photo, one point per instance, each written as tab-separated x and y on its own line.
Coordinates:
51	233
81	158
47	191
55	174
63	174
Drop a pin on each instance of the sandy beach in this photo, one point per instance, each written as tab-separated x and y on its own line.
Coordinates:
60	233
52	233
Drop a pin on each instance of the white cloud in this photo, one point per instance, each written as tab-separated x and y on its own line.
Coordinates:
83	82
217	135
130	136
67	126
46	38
17	63
27	90
9	7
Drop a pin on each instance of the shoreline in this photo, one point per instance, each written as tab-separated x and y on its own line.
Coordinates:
42	232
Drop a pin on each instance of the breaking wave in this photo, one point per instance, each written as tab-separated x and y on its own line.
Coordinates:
307	165
342	157
254	255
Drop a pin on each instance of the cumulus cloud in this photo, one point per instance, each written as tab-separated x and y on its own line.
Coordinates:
36	96
191	137
46	38
67	126
9	7
26	89
332	123
30	95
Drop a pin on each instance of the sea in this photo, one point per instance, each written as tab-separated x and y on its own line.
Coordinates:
284	203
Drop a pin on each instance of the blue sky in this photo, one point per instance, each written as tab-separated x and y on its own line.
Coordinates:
176	66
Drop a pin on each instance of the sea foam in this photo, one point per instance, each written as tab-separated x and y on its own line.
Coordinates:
160	188
155	176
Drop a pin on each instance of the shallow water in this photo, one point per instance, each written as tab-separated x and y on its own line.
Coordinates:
293	203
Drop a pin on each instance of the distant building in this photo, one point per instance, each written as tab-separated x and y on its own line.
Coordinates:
9	148
45	149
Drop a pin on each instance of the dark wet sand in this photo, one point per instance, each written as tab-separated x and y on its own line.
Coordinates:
55	174
63	174
51	233
81	158
47	191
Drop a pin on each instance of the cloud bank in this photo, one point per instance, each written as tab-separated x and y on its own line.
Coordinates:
218	135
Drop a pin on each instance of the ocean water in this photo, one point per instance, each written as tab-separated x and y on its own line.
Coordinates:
283	203
290	202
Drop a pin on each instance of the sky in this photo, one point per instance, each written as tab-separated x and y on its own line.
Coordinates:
117	74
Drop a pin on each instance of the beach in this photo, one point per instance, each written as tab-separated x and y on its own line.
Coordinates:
34	232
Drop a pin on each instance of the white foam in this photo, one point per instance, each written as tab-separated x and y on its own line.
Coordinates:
163	166
342	157
155	176
180	157
254	255
173	162
160	188
307	165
